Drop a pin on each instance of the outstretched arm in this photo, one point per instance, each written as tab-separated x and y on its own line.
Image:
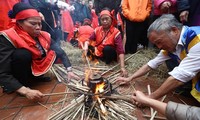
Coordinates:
142	71
145	100
170	84
172	110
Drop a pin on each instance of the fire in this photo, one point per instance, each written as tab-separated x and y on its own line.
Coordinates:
91	55
99	87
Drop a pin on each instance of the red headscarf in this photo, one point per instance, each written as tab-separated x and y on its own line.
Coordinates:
26	14
111	14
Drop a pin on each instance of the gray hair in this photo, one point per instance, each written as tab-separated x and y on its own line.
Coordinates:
164	23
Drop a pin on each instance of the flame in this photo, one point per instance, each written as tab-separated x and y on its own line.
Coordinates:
91	56
99	87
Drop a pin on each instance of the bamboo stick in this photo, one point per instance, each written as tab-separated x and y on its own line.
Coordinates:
61	69
56	74
126	98
156	117
61	93
88	62
113	73
46	107
119	110
59	115
182	101
83	113
77	111
103	109
119	64
149	92
65	97
94	103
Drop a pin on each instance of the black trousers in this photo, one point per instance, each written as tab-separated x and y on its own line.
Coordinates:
136	32
21	65
109	54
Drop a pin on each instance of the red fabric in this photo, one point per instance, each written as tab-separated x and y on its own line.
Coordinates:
84	33
21	39
67	24
103	39
27	14
95	21
6	5
105	12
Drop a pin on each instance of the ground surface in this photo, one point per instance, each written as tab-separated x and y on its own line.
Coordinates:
14	106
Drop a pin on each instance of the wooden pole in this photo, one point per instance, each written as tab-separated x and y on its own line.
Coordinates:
149	92
119	64
126	98
61	93
156	117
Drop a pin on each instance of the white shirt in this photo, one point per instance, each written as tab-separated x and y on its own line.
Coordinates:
187	68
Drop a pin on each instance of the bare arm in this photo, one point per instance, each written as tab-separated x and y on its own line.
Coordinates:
142	71
122	65
170	84
145	100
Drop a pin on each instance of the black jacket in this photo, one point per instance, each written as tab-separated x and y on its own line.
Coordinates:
111	4
8	82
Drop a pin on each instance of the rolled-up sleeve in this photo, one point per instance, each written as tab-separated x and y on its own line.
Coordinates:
189	66
158	60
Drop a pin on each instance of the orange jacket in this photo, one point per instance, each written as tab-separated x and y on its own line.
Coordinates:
136	10
84	32
103	39
21	39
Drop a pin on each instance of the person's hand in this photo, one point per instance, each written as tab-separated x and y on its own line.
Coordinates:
122	80
31	94
140	98
124	72
184	16
34	95
165	6
71	75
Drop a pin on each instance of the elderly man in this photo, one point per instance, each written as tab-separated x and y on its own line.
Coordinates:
179	43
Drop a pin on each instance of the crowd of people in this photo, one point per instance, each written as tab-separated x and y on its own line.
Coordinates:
31	32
